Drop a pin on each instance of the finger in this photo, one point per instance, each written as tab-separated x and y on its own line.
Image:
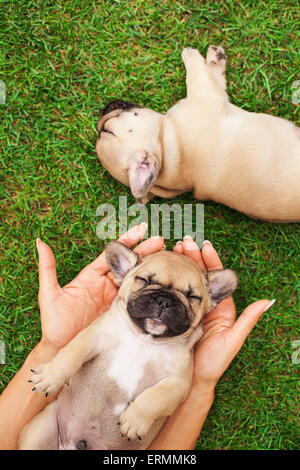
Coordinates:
130	238
178	248
152	245
191	249
211	257
247	321
133	235
47	267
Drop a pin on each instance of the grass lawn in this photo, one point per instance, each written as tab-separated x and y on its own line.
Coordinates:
61	62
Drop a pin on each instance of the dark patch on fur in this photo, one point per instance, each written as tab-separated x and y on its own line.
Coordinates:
118	104
220	56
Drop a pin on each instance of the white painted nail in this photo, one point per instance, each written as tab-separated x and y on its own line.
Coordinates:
144	225
269	305
37	243
187	237
207	242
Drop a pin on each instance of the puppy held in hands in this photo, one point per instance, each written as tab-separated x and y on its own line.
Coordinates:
120	377
206	145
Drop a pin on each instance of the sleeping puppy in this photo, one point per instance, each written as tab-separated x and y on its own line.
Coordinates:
133	366
206	145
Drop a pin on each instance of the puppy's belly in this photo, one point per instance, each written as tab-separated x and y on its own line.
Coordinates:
89	408
98	430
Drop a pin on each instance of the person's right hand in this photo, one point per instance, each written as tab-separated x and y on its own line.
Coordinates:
223	335
65	311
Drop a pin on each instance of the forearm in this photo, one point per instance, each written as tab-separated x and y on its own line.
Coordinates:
182	429
18	404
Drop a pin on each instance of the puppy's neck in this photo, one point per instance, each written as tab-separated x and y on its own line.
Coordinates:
172	156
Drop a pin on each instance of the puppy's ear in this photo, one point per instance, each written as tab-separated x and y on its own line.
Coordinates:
120	260
221	284
143	171
118	104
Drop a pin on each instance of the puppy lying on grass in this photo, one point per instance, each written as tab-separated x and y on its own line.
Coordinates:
206	145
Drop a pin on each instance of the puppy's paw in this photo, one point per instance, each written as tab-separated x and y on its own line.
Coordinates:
134	424
216	56
46	380
188	54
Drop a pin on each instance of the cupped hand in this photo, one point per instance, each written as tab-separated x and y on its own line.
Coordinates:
223	335
65	311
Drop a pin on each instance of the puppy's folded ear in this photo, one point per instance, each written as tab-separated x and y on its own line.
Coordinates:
118	104
221	284
142	174
120	260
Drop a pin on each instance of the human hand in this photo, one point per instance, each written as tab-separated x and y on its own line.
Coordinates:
65	311
223	335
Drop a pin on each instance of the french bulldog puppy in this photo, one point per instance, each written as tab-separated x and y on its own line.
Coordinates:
206	145
125	373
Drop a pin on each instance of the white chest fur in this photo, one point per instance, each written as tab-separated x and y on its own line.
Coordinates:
133	357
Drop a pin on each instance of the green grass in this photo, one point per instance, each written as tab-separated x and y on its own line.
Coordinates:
61	62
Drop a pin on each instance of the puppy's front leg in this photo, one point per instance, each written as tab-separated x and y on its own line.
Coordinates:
216	61
155	402
50	377
200	82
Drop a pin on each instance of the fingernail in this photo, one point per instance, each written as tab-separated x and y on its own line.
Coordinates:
179	242
143	224
207	242
37	243
269	305
187	237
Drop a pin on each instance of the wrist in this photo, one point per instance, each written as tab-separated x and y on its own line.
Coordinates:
202	394
189	417
43	352
203	387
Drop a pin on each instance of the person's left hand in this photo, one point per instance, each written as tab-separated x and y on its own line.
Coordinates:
223	334
65	311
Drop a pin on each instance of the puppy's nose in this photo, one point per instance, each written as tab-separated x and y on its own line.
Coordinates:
164	302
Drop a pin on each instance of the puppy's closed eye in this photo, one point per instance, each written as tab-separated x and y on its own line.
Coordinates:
195	298
192	297
146	280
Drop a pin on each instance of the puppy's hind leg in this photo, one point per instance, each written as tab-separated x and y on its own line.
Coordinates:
216	61
41	433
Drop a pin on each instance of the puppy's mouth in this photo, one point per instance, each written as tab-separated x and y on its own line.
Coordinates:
159	313
155	326
107	131
113	114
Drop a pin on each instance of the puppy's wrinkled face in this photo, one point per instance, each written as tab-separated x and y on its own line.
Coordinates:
128	145
166	294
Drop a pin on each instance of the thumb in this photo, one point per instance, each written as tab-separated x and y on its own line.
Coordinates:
47	267
247	321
